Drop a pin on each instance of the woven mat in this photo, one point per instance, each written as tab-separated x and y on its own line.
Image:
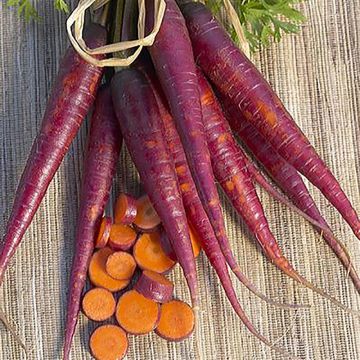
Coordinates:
317	76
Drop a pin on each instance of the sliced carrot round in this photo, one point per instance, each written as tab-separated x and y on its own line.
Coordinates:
149	254
125	209
195	242
99	304
177	321
120	265
109	342
122	237
104	232
136	314
155	286
147	219
98	275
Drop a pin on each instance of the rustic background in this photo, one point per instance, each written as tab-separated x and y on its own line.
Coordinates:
317	75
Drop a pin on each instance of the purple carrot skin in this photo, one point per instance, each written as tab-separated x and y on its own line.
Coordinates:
102	154
72	95
288	179
238	79
177	75
140	122
231	171
193	206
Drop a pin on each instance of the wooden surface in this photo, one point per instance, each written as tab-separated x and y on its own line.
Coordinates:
317	75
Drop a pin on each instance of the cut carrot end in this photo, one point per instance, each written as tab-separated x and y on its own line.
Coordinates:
149	254
122	237
109	342
125	209
136	314
104	233
195	241
120	265
98	275
147	220
99	304
177	321
155	286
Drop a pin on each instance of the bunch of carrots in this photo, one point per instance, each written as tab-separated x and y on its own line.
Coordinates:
178	109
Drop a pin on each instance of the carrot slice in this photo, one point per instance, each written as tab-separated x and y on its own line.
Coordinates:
125	209
195	241
122	237
98	275
147	219
99	304
120	265
104	232
177	321
109	342
149	255
136	314
155	286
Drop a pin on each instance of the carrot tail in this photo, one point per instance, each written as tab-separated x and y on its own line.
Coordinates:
230	293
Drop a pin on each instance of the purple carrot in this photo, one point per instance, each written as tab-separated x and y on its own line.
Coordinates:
288	179
102	154
143	131
71	97
193	207
176	71
238	79
230	168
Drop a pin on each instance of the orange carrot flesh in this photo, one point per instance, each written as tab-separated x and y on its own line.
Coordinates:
149	254
120	265
99	304
98	275
104	233
195	241
136	314
147	219
122	237
177	321
155	286
125	209
109	342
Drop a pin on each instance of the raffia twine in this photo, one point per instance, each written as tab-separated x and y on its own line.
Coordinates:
77	19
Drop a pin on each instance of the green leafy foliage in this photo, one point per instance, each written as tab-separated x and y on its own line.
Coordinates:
27	9
263	20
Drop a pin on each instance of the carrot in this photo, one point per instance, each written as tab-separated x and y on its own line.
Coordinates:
120	265
109	342
288	179
195	211
169	251
231	171
98	275
103	149
238	79
141	125
122	237
149	254
104	233
136	314
125	209
177	321
147	219
177	75
155	286
72	95
99	304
